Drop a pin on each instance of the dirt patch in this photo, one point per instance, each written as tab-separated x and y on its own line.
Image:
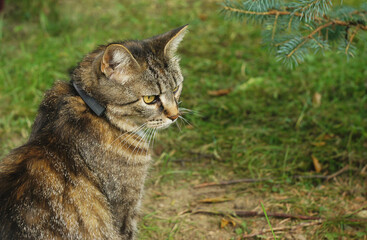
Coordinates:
169	210
172	207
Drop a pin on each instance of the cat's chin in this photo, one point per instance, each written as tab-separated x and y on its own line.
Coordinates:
161	126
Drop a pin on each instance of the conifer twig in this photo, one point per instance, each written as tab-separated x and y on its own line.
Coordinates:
277	12
308	37
351	39
317	42
274	27
271	12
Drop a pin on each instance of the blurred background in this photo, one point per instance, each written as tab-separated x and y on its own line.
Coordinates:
252	117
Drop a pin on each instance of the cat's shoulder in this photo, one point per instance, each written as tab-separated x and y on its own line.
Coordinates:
63	98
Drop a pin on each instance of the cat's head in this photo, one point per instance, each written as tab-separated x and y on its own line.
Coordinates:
139	82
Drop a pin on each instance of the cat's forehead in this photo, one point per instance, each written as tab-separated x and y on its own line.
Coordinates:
151	85
159	77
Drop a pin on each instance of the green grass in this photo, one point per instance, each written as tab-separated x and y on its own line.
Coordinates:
266	127
267	220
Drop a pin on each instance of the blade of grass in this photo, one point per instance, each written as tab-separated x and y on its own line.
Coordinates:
267	219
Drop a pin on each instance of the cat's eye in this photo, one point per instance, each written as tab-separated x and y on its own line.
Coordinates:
150	99
175	89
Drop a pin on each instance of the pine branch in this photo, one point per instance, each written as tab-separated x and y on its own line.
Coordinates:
361	25
295	28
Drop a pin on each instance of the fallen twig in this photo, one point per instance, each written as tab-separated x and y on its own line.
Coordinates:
198	156
279	229
240	213
230	182
276	215
325	177
251	180
215	200
185	160
221	92
338	172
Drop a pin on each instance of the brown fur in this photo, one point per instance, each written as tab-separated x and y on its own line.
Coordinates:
81	176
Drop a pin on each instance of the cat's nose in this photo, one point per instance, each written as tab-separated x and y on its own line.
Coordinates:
170	106
173	117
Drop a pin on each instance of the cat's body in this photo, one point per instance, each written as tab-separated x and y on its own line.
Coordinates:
81	176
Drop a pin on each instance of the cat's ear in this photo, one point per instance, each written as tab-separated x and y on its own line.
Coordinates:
117	56
174	36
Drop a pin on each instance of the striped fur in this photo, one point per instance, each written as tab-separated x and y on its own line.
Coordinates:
81	176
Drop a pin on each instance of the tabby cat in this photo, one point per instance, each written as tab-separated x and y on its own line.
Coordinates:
81	173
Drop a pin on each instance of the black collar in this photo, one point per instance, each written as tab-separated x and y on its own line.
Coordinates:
92	103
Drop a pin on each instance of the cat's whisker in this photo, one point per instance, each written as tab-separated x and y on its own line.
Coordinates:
156	130
142	140
141	143
131	134
132	144
109	146
149	139
189	111
137	142
178	125
125	142
185	120
134	131
147	142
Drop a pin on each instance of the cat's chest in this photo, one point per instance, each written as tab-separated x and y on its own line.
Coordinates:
121	173
120	161
123	180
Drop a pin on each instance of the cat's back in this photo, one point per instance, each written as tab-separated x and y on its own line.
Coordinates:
40	201
21	173
44	195
20	164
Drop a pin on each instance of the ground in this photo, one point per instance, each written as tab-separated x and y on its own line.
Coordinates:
172	208
252	118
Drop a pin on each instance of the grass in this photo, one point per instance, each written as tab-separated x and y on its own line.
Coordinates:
268	126
267	219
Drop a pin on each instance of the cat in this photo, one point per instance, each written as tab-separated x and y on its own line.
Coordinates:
81	173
